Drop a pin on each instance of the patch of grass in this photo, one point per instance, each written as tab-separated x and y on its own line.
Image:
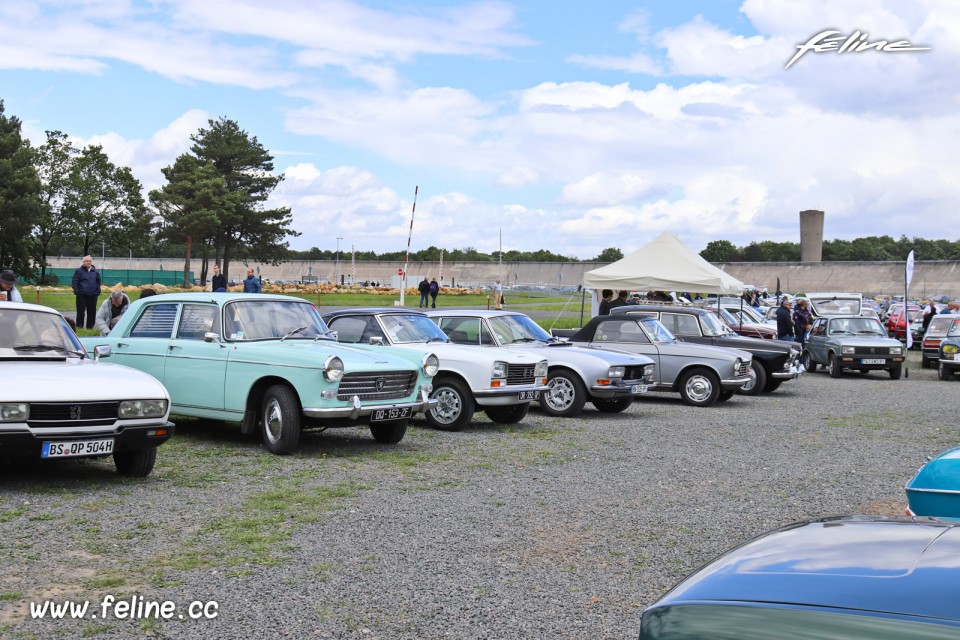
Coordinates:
42	517
110	580
95	629
12	514
10	595
405	458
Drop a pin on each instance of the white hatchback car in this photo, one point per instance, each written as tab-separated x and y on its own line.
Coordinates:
57	402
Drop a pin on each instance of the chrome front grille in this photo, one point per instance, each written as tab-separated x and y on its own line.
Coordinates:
383	385
633	373
871	351
521	374
81	414
744	368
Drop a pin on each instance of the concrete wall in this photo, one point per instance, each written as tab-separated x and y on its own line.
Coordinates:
866	277
811	235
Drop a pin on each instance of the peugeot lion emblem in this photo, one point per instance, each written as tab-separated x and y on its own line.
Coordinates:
381	382
75	411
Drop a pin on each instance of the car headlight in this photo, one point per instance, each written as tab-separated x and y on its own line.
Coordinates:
896	350
950	349
542	369
616	372
499	369
14	412
142	409
431	365
848	350
648	370
333	368
737	364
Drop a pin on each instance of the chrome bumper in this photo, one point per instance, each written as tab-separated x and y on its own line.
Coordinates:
735	383
623	389
356	410
796	371
503	396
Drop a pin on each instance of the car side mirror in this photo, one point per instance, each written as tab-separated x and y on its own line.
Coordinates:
377	340
211	337
101	351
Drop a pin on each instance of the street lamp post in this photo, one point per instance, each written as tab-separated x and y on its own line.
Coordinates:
338	260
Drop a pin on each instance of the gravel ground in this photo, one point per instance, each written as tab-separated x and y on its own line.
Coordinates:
554	528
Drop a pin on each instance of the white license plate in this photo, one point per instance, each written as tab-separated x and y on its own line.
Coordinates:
76	448
956	356
386	415
638	388
873	361
528	395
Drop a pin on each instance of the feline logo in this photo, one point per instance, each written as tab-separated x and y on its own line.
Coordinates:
854	43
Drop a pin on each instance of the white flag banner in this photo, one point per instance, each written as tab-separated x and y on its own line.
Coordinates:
906	297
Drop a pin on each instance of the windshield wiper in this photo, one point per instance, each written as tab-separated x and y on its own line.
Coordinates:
49	347
438	340
297	330
516	340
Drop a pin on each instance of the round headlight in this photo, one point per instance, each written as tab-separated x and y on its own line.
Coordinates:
948	349
333	368
649	369
737	364
431	365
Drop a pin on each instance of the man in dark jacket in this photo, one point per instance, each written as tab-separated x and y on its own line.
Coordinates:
219	281
424	289
252	283
86	287
785	321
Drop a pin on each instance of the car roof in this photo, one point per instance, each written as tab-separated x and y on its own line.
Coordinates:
209	296
870	563
648	308
28	306
472	313
366	311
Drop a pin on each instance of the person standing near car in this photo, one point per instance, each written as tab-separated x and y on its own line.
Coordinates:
606	298
8	288
424	289
785	326
802	321
86	287
434	291
497	295
219	281
252	283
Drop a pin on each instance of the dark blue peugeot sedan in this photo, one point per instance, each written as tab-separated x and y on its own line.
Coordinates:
852	577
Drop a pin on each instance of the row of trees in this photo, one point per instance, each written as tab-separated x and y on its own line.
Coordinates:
871	248
432	254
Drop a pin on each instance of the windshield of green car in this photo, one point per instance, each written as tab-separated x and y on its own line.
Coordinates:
26	332
656	331
273	320
517	330
856	326
713	326
411	328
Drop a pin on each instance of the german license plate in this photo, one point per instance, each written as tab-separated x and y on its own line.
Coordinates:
873	361
386	415
638	388
76	448
529	395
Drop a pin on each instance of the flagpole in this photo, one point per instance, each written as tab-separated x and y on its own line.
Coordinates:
406	261
907	277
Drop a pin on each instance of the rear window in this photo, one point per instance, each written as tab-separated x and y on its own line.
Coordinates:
156	321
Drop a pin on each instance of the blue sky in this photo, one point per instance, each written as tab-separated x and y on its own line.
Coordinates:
571	126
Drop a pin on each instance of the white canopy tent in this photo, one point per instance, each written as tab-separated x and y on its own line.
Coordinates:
665	264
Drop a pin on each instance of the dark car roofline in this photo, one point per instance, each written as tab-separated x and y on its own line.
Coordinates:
372	310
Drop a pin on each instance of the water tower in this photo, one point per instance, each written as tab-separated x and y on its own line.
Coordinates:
811	235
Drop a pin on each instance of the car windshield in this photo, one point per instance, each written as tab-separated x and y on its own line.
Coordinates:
856	326
514	329
24	332
713	326
656	331
940	324
751	314
836	306
411	328
728	317
273	320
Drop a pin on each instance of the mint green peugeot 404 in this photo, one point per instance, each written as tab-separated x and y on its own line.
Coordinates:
269	363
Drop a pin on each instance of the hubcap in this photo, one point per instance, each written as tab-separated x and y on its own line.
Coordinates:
448	407
273	421
748	386
699	388
561	394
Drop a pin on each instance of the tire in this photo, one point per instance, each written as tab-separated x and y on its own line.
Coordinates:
758	380
700	387
612	405
566	395
509	414
280	421
924	362
726	394
135	464
942	372
808	362
389	432
895	371
833	366
455	407
773	384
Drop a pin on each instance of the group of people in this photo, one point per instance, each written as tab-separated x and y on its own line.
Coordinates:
428	289
623	298
794	324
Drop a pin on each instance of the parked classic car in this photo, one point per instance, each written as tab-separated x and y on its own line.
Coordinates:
501	382
268	361
845	578
930	342
852	342
935	489
744	326
949	361
701	374
898	318
608	380
57	402
774	361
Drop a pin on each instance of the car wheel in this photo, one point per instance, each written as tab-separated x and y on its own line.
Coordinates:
454	408
833	366
758	380
700	387
895	371
942	372
566	394
135	464
808	362
510	414
280	419
612	405
727	394
773	384
390	432
924	362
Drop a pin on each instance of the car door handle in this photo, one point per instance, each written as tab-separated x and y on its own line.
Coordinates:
123	344
173	346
